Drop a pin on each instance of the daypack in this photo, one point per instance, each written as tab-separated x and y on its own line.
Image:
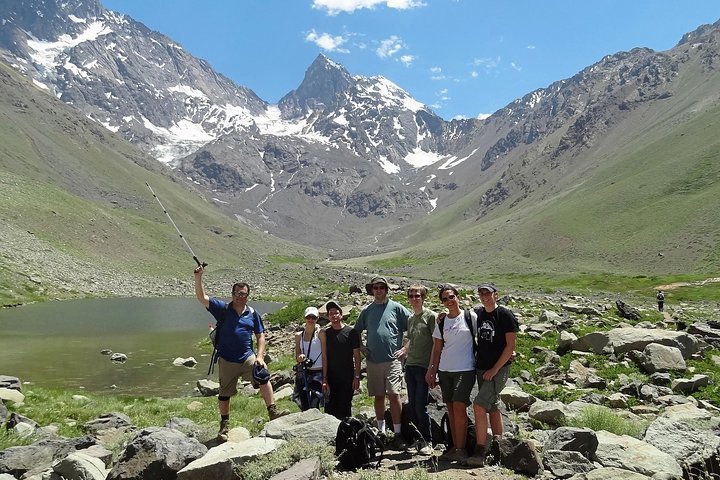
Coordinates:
468	320
357	444
470	439
215	334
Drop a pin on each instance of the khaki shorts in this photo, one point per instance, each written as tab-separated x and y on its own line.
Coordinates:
230	372
457	386
384	378
488	396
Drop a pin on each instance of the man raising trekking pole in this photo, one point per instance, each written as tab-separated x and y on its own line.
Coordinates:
236	323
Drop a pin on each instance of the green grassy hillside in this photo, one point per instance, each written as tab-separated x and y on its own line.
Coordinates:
643	203
79	219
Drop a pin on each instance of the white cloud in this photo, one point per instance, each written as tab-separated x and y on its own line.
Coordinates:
436	69
390	47
483	116
487	62
516	66
407	60
531	47
335	7
474	74
438	77
327	42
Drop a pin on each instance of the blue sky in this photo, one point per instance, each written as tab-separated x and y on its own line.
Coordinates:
460	57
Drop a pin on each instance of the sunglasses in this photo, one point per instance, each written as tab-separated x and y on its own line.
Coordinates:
240	294
378	287
414	296
449	297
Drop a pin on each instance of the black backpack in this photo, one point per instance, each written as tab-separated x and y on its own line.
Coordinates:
357	444
470	440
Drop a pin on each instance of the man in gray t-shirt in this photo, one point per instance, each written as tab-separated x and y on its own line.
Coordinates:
385	321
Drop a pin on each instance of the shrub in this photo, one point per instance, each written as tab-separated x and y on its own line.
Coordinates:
599	418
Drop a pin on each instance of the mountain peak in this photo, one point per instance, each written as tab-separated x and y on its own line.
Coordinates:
324	80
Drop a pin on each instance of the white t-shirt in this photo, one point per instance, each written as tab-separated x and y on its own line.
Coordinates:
315	349
457	353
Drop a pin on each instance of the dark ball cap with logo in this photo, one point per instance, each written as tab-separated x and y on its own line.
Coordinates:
487	286
260	374
368	286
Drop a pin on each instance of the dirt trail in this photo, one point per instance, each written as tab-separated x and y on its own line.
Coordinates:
699	283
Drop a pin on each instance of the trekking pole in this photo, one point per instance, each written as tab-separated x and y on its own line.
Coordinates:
200	264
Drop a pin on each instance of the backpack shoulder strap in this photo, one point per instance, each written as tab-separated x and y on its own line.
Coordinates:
472	325
441	325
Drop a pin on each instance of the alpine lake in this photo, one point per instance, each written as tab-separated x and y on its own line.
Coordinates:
58	344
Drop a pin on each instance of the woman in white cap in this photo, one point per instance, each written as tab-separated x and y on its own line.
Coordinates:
309	367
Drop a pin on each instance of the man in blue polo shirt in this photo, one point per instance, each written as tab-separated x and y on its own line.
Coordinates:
237	322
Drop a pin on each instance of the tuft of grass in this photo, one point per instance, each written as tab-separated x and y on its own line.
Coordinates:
287	455
599	418
290	314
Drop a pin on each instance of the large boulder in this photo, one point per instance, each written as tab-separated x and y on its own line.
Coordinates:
40	455
551	413
79	466
582	440
661	358
520	455
13	383
564	464
157	453
516	399
609	473
690	385
626	452
623	340
695	449
219	462
11	395
311	425
107	421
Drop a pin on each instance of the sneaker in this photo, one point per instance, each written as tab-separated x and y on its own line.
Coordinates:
424	449
224	430
274	413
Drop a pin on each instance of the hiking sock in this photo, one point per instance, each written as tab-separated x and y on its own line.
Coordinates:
381	425
397	428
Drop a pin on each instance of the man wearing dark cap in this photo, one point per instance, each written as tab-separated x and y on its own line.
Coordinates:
496	338
341	363
385	321
236	324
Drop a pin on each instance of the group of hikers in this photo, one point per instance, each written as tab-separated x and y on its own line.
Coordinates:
453	349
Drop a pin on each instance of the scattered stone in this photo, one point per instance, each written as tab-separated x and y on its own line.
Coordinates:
626	311
207	387
691	385
311	425
11	395
581	440
13	383
564	464
550	413
661	358
185	362
219	462
106	351
516	399
79	466
108	421
118	358
632	454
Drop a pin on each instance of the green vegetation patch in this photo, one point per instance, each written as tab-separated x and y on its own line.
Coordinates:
287	455
599	418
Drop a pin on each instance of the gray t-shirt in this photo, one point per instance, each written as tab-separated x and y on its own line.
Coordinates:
385	324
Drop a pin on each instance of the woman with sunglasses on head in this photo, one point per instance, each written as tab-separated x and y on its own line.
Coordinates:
453	361
309	367
418	349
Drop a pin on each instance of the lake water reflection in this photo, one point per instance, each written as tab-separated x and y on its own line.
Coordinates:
58	344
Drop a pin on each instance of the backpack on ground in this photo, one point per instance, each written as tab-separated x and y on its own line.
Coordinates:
470	440
357	444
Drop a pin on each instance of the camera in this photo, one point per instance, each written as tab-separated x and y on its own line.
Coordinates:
304	365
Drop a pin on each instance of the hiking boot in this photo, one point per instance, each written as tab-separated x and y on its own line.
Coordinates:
222	435
459	456
399	443
448	455
274	413
478	458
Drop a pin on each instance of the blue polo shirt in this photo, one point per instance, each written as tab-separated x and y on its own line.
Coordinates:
236	331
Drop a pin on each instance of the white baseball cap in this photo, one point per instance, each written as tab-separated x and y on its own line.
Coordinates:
312	312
